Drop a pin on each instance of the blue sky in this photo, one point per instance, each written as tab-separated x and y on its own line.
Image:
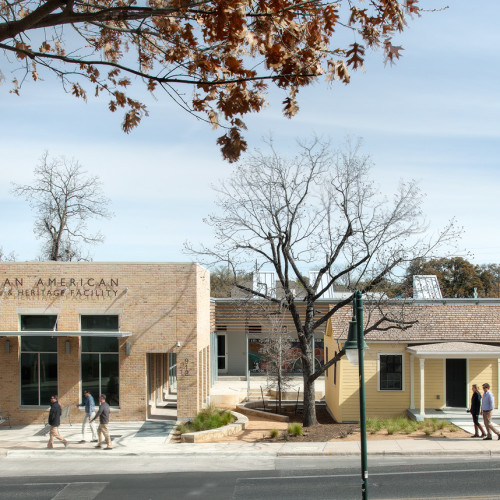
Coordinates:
433	117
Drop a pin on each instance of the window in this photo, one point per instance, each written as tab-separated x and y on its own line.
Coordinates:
38	323
38	370
391	372
99	323
100	367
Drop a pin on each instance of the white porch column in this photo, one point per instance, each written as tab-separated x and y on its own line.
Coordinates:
422	394
412	382
498	384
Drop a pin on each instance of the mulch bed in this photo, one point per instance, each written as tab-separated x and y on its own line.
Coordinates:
326	429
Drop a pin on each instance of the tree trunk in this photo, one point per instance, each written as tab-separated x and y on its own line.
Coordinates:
309	392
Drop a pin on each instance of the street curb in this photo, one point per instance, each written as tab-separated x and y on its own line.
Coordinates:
60	452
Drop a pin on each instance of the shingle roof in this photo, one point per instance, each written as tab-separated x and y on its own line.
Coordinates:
436	322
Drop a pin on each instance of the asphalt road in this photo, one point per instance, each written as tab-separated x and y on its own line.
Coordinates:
464	479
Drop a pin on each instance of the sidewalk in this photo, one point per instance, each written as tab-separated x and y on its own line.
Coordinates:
151	438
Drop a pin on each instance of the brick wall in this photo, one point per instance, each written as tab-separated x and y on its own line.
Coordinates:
160	304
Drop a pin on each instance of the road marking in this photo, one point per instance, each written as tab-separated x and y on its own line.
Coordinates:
371	474
80	491
480	497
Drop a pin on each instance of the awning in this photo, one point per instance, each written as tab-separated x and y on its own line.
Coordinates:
455	350
59	333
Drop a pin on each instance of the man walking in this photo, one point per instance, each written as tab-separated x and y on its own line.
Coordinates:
486	412
55	422
89	414
102	430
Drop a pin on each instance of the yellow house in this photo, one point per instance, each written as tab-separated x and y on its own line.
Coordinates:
425	369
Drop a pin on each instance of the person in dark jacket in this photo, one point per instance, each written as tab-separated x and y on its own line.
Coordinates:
475	410
55	422
102	430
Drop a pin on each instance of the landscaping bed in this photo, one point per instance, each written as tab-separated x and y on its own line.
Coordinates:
260	428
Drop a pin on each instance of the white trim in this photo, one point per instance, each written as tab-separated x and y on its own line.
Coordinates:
498	383
456	355
444	383
402	371
467	383
422	385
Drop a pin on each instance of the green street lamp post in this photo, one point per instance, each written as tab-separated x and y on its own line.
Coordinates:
354	349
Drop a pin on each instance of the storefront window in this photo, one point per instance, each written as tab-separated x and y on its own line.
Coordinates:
38	370
100	367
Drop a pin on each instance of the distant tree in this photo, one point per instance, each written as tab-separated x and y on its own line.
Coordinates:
491	278
64	198
4	257
457	276
227	51
222	281
320	207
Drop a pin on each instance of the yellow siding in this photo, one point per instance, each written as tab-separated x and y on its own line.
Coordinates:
378	403
434	383
482	371
434	378
331	390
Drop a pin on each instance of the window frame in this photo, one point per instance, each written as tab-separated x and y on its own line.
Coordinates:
379	371
99	354
21	352
117	316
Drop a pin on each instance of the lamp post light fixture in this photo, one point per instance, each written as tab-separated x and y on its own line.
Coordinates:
354	349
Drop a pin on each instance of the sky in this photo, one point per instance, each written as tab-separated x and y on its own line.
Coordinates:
433	117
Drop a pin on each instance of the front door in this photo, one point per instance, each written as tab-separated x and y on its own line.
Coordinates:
456	383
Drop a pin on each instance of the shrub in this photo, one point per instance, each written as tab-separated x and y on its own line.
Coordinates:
182	428
391	427
295	429
274	433
209	418
373	425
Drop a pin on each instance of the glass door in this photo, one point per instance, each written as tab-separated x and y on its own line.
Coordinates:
221	353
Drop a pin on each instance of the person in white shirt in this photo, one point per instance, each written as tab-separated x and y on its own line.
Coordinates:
486	412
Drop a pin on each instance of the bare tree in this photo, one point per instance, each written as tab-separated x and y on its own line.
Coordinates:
277	351
4	257
319	208
64	198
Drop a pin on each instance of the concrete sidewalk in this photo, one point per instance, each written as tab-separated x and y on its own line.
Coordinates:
151	438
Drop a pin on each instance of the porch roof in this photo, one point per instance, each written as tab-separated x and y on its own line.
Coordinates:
455	350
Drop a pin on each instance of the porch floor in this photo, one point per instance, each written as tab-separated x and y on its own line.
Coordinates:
450	414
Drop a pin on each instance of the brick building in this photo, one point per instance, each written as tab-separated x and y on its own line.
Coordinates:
138	332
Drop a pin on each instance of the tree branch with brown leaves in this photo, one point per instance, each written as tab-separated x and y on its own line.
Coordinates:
228	51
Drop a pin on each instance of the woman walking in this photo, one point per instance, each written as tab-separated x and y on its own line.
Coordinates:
475	410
